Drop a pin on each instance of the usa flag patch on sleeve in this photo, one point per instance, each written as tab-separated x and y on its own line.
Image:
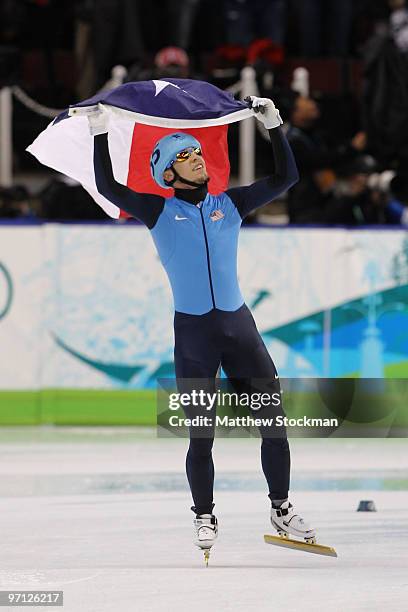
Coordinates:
216	215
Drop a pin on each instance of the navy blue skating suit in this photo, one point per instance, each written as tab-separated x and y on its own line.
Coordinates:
196	236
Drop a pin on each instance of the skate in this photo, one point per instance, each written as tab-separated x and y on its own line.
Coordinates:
287	523
206	531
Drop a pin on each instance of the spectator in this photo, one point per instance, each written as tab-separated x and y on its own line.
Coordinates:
64	199
116	36
14	203
399	24
182	17
351	201
172	62
386	88
324	26
85	86
397	204
315	160
170	23
247	20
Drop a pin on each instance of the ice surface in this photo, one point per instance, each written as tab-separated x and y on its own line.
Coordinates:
104	515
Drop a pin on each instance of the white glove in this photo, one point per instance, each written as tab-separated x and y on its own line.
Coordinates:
266	111
98	121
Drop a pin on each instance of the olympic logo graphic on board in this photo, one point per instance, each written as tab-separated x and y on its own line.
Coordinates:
6	291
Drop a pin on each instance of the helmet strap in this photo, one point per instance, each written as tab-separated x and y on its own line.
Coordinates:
177	177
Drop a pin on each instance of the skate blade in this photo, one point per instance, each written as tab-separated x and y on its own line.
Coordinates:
317	549
205	548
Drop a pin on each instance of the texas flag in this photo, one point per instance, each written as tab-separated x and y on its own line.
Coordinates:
140	114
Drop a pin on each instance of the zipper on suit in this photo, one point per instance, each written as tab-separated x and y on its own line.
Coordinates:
208	254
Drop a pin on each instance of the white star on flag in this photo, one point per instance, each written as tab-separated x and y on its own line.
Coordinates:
160	85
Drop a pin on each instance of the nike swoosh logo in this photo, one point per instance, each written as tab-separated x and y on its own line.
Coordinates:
177	218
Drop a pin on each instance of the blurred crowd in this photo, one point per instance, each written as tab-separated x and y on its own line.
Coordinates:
102	33
341	182
351	147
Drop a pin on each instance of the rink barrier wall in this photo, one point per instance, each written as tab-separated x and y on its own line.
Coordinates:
86	313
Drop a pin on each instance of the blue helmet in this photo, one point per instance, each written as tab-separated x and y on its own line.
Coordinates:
165	151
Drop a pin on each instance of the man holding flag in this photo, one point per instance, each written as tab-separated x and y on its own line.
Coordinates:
196	235
162	158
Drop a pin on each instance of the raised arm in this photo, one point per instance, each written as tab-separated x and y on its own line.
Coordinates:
144	207
284	171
